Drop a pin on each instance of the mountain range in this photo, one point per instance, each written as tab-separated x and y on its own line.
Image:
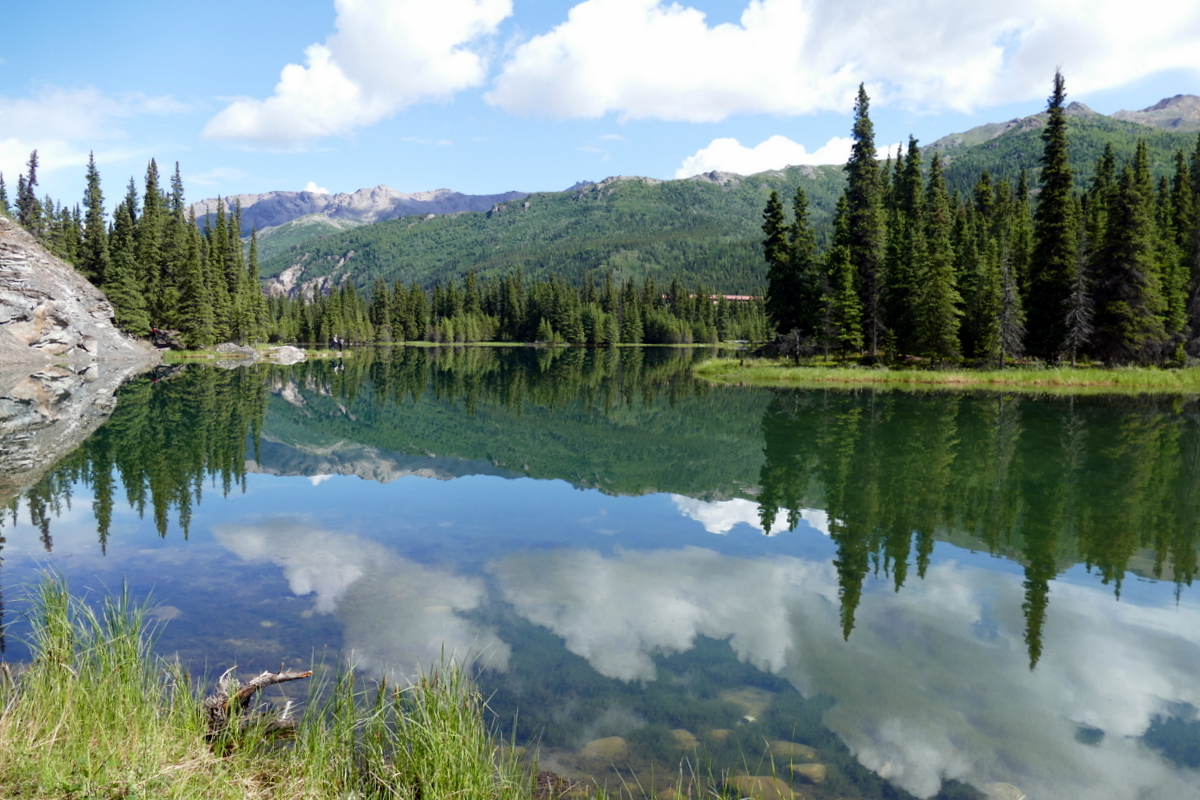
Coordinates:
704	229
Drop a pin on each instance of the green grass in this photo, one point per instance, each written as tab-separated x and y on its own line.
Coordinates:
98	715
1055	380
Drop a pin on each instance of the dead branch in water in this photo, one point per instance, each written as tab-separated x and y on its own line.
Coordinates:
231	699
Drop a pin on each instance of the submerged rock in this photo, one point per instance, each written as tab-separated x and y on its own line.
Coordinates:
784	749
809	773
611	748
1002	791
753	701
762	787
684	739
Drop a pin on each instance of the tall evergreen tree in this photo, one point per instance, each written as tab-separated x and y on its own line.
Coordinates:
1129	303
939	299
29	208
864	204
5	209
843	315
906	250
149	246
94	258
807	268
121	286
781	285
1055	239
197	321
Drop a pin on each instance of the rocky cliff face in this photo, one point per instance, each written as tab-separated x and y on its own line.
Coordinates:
362	207
49	312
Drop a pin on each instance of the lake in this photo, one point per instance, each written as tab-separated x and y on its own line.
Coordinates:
952	594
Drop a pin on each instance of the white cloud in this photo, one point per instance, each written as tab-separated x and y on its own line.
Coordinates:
312	187
63	125
933	683
384	56
730	155
647	59
397	615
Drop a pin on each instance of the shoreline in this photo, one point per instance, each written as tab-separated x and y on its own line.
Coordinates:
1020	380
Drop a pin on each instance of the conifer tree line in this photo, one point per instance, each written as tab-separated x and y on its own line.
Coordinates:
1108	272
516	310
156	266
159	269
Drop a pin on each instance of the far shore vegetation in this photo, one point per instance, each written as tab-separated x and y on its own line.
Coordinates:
1026	379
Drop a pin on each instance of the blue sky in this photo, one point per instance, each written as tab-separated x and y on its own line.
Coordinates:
485	96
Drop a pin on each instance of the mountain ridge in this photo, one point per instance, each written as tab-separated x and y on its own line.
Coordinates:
362	207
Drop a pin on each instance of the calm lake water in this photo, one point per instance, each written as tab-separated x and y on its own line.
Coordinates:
937	593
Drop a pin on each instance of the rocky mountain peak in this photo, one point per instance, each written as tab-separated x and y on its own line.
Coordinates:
1178	113
362	207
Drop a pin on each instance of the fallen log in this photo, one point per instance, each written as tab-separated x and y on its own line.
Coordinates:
228	705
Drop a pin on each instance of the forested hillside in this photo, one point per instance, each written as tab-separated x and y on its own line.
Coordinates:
705	230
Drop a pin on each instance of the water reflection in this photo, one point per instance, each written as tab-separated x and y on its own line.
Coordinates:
396	614
1112	483
603	552
955	699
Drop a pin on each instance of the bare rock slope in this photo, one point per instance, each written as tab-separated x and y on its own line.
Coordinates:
48	311
362	207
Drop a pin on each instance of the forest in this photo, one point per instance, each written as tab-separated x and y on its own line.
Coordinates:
1055	272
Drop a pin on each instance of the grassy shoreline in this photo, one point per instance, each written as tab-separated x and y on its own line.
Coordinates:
1048	380
97	714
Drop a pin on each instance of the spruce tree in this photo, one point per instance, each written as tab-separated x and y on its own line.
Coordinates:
1055	239
121	286
5	209
94	258
260	316
149	246
780	298
29	208
196	318
865	219
1128	298
906	251
806	267
843	316
939	299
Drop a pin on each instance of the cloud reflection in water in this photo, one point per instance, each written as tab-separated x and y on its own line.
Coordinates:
919	697
396	614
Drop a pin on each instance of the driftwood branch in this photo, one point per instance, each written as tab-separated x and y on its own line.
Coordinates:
232	696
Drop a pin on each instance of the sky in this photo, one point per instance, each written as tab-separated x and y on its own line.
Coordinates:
488	96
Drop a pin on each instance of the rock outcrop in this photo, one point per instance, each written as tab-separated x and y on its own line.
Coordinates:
1178	113
48	311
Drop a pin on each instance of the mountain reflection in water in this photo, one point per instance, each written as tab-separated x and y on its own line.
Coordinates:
954	587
